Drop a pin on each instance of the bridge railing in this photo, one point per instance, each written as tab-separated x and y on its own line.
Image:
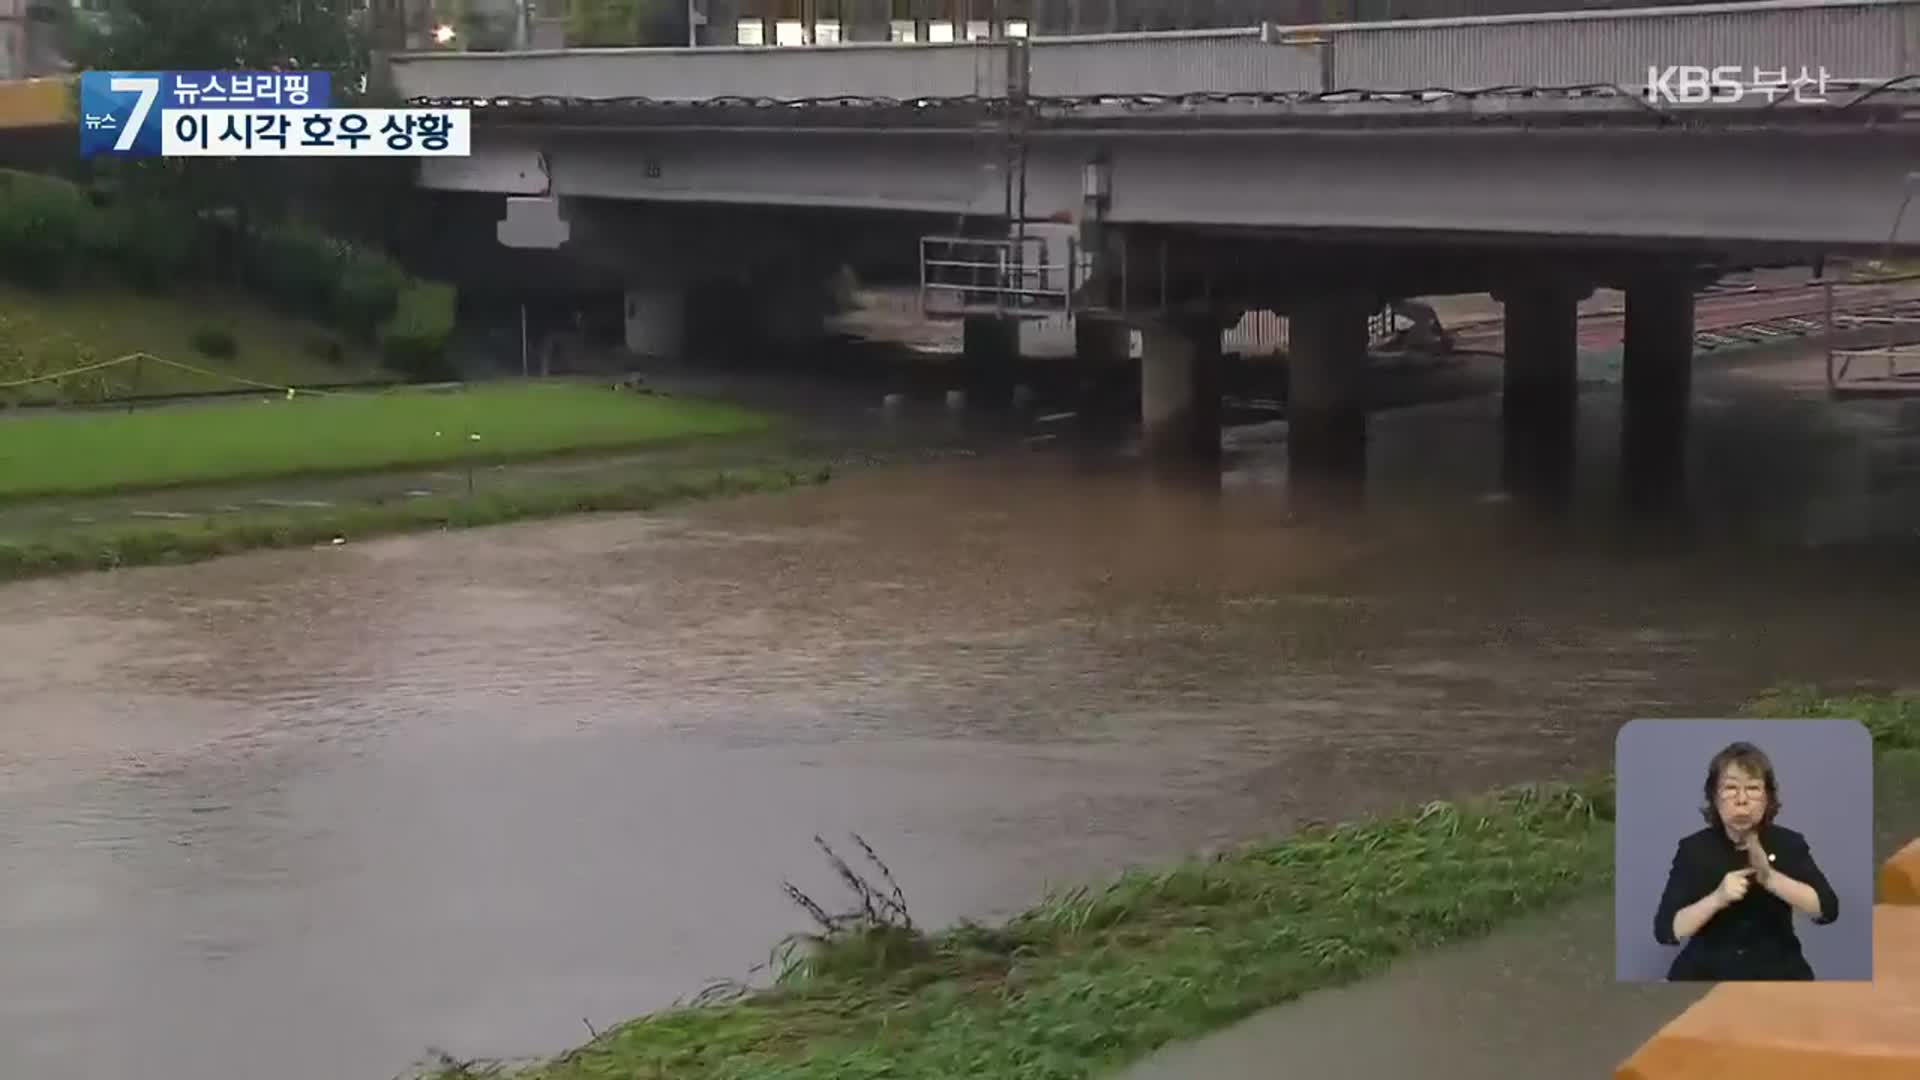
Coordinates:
1215	61
1850	39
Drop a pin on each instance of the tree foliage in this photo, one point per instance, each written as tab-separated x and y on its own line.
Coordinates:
482	25
610	23
224	35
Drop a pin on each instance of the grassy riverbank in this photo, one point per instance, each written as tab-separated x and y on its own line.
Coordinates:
313	434
1090	980
147	542
102	323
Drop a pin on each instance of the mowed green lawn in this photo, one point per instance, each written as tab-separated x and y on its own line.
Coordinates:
90	453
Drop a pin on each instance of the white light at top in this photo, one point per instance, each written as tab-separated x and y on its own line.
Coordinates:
443	33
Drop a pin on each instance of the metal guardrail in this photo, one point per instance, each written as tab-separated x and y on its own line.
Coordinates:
973	275
1850	39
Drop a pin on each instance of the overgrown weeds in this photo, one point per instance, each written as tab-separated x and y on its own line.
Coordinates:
1092	977
875	936
1096	977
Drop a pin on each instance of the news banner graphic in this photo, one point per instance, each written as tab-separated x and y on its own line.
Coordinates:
143	114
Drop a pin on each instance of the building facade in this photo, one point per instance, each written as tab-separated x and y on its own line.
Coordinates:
29	38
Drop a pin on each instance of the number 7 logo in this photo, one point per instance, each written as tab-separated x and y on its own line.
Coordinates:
148	88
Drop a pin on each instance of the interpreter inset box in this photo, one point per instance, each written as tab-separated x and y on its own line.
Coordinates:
1743	851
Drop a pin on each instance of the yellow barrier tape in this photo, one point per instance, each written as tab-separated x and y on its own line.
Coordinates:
54	376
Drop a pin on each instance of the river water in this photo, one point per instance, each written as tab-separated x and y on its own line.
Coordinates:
307	814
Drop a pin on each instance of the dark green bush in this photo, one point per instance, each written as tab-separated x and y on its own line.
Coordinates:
414	341
326	349
215	342
366	292
297	269
45	225
150	246
307	272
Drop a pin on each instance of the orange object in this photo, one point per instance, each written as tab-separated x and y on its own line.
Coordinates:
1793	1031
36	103
1900	877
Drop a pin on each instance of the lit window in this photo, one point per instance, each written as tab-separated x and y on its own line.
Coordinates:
904	30
826	32
789	32
1017	28
979	30
940	31
750	32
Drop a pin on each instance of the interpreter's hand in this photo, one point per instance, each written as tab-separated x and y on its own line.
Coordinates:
1757	859
1733	887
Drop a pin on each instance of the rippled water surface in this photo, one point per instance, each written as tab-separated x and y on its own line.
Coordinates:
306	814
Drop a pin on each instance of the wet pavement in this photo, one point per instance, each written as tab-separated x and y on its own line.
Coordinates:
1535	998
305	814
1539	991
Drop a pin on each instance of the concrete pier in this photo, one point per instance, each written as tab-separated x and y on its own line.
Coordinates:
1326	371
1180	389
1540	387
1655	387
990	356
1101	343
1106	379
656	321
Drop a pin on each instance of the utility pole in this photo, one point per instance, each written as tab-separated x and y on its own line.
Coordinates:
1019	74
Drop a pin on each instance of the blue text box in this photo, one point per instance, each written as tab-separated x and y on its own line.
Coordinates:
121	111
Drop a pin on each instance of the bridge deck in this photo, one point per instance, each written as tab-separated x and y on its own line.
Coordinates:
1855	105
1849	39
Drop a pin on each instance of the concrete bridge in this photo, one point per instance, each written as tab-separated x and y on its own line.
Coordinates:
1171	181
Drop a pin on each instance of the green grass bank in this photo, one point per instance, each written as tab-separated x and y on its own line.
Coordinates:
53	331
315	434
194	539
1093	979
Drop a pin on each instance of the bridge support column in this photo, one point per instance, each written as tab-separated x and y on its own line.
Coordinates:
990	353
1180	389
656	321
1105	383
1326	371
1539	396
1655	387
1101	343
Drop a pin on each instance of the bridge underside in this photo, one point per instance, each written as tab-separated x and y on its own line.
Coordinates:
1754	195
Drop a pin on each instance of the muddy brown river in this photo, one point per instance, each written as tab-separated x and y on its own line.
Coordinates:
307	814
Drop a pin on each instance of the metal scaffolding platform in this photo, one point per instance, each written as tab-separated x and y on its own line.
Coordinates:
1026	277
1886	360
